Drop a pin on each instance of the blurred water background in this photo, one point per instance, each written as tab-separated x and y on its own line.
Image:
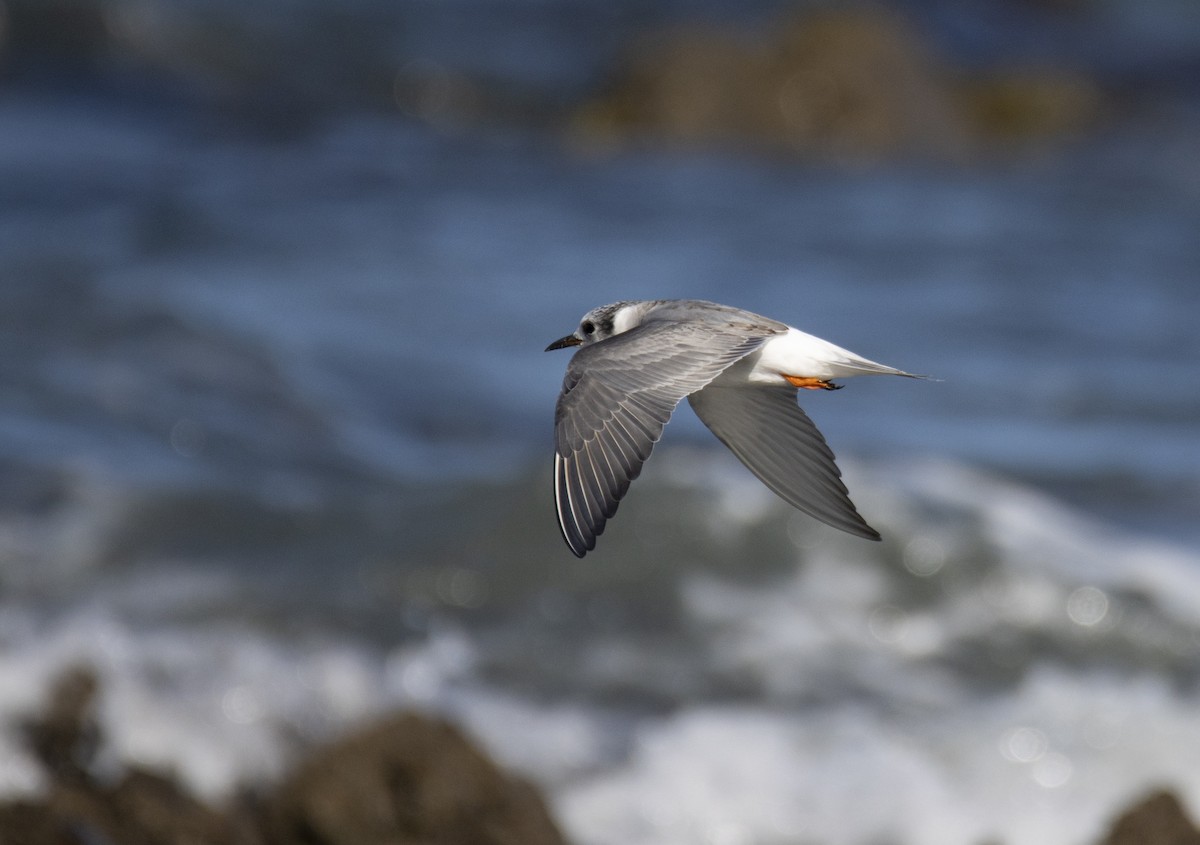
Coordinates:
275	419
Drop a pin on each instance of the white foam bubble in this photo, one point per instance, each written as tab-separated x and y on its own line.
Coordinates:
1013	771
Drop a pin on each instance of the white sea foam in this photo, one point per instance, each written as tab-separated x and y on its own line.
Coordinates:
1050	761
869	699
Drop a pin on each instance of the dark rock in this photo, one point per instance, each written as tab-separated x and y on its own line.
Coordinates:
35	823
845	84
71	34
406	779
145	808
864	84
69	27
1030	105
1158	819
142	808
695	85
64	737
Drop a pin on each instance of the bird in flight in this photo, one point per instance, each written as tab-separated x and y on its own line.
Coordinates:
740	372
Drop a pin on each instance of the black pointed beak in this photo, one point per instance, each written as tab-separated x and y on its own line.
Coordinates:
564	342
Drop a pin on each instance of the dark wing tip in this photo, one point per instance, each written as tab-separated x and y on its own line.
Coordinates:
580	538
866	532
853	523
848	520
576	550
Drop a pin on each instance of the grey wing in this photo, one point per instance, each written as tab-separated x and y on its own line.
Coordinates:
617	397
777	441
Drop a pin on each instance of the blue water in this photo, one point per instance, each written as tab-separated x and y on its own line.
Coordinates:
275	431
376	296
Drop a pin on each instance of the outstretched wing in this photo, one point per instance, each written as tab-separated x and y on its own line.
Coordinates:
777	441
616	397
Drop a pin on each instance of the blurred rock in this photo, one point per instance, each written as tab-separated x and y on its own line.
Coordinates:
142	807
861	84
138	808
848	84
406	779
71	33
64	737
691	87
1027	105
1158	819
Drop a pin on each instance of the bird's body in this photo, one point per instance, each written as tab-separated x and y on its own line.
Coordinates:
741	373
801	355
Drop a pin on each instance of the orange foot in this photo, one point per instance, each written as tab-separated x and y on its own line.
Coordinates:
809	383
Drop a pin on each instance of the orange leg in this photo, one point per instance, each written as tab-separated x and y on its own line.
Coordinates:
809	383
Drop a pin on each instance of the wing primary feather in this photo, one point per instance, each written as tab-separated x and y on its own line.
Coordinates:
619	442
617	396
641	452
566	519
776	440
566	514
594	498
608	479
578	501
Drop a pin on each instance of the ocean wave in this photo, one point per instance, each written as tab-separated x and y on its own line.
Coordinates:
1000	666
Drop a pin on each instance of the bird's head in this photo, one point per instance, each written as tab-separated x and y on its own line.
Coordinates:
604	322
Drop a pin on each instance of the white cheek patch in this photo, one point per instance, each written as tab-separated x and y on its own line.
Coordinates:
625	319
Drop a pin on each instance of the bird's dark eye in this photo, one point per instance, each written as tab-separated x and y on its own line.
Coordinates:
588	327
